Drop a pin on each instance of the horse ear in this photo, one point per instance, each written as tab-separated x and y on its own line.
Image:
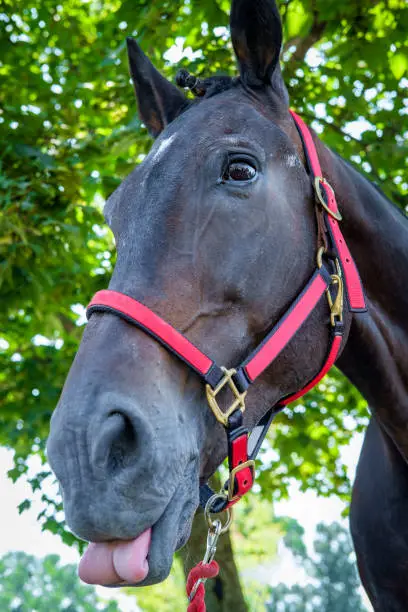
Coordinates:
256	32
159	100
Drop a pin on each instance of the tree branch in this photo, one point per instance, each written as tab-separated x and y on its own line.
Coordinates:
374	172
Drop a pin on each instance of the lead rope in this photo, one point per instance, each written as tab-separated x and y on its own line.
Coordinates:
207	568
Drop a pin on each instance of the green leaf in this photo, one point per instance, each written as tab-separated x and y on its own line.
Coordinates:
398	65
25	505
298	20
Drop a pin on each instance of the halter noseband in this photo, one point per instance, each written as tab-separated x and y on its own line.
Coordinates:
332	253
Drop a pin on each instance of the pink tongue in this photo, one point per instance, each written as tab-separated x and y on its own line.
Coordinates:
116	562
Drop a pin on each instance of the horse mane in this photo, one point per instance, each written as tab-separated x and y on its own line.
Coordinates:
205	88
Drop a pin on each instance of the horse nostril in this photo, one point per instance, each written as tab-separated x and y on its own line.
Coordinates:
114	443
124	445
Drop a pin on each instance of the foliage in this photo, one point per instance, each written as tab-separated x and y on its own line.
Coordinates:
307	440
69	135
254	535
28	583
150	599
333	582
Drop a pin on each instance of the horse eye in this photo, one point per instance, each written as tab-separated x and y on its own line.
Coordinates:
239	171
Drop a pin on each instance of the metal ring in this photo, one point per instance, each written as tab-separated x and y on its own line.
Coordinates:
207	514
319	179
319	257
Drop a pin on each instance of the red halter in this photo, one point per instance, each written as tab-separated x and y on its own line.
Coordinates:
242	449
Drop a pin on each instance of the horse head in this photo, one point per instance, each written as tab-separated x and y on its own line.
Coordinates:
216	233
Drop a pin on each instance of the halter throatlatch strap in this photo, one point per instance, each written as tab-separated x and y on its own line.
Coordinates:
242	446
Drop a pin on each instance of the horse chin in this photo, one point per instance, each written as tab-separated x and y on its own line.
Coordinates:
146	557
169	534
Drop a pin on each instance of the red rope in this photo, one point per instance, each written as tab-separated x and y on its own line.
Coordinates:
201	570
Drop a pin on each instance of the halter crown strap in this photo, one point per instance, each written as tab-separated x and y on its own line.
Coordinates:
326	196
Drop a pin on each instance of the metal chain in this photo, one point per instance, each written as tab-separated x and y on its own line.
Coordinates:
215	529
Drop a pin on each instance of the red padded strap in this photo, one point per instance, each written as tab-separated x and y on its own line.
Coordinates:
244	479
308	144
239	451
351	277
287	327
331	358
155	325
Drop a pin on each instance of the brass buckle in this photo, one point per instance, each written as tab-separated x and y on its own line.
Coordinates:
336	307
251	464
320	198
319	256
319	260
239	402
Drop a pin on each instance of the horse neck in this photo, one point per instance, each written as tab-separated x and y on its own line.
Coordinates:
375	358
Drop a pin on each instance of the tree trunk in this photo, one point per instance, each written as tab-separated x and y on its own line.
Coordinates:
223	593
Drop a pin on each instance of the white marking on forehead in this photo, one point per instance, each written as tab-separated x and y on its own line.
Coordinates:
164	145
292	161
234	140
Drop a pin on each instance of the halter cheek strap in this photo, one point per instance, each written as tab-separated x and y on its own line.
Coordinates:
333	264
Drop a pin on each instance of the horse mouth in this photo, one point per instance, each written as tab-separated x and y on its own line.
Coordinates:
117	562
146	558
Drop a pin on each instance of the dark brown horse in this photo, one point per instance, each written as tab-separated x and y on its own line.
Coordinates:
216	233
